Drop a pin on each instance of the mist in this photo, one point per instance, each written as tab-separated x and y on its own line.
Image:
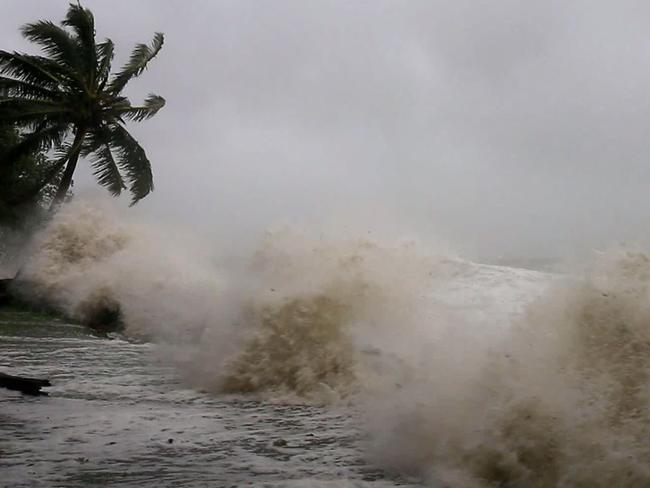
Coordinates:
508	129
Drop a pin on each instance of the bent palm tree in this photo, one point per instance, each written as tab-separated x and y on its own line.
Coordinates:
68	100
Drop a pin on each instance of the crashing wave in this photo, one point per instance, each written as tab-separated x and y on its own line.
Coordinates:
562	401
299	319
461	381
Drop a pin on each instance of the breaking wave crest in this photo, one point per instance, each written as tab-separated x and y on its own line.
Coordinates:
303	318
315	315
563	400
299	344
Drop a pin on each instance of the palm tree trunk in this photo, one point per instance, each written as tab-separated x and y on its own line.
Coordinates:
73	157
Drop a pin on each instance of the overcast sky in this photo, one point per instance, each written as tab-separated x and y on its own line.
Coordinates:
510	128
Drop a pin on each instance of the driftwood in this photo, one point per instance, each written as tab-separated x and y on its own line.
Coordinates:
28	386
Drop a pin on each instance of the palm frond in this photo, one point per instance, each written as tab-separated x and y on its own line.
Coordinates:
55	41
17	110
36	70
133	160
105	53
114	106
138	61
152	104
16	88
42	138
106	171
83	23
97	147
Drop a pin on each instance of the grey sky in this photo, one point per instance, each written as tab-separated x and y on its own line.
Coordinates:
508	127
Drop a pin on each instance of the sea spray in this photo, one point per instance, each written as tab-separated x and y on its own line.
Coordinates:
305	318
318	313
11	250
87	258
423	342
563	400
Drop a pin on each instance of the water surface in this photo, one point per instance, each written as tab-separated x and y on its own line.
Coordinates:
115	416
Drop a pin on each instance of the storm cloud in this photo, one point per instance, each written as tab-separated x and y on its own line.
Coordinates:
511	128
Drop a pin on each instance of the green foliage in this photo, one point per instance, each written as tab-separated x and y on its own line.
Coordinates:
69	93
20	175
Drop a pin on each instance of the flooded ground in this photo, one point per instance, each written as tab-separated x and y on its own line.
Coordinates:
115	417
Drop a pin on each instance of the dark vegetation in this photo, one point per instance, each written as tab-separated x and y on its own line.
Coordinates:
18	176
58	108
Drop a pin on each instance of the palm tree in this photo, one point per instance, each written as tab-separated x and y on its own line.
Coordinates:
67	100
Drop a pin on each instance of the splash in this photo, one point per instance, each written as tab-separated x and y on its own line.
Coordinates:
89	262
315	315
304	318
563	400
460	380
300	345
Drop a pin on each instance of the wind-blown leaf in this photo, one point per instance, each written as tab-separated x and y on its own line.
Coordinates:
105	169
83	23
105	53
56	42
138	61
152	104
133	160
16	88
26	109
36	70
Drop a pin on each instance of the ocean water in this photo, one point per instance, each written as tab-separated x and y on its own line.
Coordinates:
119	414
328	361
114	417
